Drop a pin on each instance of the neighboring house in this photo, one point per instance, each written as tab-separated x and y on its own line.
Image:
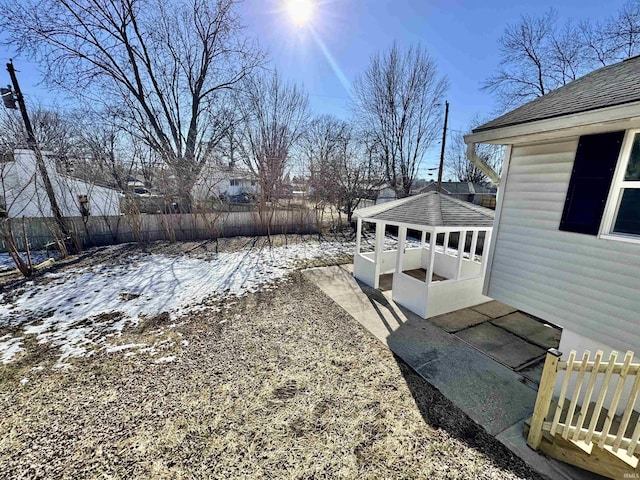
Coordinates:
24	195
222	181
566	242
384	193
468	191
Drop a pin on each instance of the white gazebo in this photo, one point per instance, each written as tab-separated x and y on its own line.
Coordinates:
440	266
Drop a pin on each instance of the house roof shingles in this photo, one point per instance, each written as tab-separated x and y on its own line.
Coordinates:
430	209
608	86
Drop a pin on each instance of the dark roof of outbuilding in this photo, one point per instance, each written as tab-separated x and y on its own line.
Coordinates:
430	209
608	86
459	188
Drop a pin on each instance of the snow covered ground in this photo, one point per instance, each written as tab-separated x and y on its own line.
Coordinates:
6	262
82	309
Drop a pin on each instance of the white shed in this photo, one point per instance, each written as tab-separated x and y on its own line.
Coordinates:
22	191
442	268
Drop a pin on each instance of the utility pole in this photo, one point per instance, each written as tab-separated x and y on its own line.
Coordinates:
444	139
33	145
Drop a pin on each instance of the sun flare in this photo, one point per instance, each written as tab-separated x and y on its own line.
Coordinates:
300	11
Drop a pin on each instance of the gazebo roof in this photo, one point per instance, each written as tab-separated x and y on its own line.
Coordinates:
429	209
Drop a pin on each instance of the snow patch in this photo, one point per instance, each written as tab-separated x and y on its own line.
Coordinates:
120	348
10	348
168	359
80	309
7	263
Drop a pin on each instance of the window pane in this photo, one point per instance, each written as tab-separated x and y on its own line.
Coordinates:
628	218
633	168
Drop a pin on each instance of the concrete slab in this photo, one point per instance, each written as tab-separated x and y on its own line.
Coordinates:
370	307
501	345
461	319
533	372
493	395
490	393
494	309
543	335
419	343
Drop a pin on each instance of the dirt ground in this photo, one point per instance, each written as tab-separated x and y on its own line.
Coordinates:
279	384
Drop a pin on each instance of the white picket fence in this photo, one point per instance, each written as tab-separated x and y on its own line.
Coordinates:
596	407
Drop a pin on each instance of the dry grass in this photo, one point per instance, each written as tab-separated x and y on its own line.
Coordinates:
282	384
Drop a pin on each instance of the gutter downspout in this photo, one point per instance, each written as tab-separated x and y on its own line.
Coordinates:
481	164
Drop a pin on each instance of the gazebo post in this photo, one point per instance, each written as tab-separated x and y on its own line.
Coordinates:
432	255
485	251
462	240
474	244
402	236
358	234
423	239
380	228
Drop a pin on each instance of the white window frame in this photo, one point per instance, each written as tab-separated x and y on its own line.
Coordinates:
615	193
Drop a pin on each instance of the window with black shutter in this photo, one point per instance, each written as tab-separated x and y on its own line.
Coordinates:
622	217
593	170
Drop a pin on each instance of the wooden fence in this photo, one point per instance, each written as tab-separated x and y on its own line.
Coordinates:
598	419
108	230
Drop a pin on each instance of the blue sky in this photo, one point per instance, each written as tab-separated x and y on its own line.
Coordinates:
461	35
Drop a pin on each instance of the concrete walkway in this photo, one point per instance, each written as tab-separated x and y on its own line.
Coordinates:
494	396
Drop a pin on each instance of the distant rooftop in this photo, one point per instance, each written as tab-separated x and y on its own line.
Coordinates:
608	86
430	209
459	188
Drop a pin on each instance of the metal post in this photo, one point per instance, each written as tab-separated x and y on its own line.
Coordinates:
31	142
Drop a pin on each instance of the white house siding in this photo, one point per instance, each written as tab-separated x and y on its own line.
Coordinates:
23	191
386	195
582	283
212	183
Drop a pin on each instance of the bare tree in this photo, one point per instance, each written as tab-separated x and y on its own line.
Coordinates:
615	38
341	170
274	115
164	67
10	190
536	57
461	169
539	55
54	130
397	101
318	146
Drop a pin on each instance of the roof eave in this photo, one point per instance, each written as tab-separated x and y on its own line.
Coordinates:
603	119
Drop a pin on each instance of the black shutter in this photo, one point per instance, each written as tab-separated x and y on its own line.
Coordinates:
591	178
